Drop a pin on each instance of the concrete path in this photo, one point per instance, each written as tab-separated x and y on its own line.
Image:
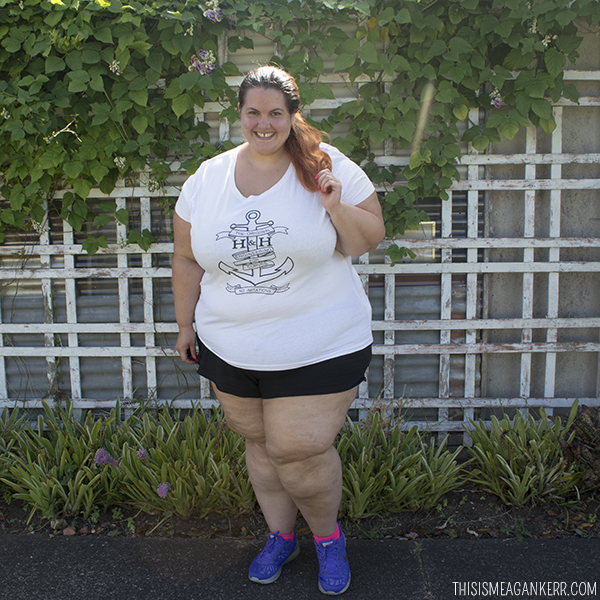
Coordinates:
36	567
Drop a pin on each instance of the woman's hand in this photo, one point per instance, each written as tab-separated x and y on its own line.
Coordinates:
186	345
330	190
359	228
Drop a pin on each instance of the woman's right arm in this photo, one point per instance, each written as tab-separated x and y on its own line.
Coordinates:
187	274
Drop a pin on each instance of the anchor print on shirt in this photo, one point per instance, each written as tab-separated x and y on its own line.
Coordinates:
254	259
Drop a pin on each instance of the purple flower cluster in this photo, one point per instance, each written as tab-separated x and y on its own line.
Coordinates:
115	67
214	15
104	458
496	98
204	62
163	489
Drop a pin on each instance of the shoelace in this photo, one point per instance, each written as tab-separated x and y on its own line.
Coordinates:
329	558
270	551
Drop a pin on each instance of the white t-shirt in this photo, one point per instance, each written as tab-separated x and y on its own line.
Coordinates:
276	294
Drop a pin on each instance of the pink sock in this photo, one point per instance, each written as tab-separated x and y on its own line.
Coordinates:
288	537
334	536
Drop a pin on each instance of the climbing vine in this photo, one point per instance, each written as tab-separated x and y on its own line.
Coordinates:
92	91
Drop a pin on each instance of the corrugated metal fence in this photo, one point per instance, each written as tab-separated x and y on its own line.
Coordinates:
478	322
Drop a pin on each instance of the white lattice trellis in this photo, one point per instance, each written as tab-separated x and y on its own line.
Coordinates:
48	264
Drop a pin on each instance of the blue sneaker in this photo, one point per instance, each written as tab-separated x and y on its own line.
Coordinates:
266	567
334	570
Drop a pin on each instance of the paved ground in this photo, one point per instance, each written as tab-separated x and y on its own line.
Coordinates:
35	567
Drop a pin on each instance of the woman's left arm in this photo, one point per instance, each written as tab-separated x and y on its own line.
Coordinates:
359	228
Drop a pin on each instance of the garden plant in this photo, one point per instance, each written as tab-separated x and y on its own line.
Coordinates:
93	92
96	91
160	461
522	460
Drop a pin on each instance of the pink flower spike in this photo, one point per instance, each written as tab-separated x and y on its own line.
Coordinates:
113	462
101	457
163	489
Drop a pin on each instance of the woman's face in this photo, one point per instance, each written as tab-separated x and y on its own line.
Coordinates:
265	120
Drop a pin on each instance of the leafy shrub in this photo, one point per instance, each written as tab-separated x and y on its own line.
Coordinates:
390	470
584	446
51	467
522	461
162	462
10	424
202	460
158	463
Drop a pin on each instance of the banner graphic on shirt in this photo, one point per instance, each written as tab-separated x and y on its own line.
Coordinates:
254	258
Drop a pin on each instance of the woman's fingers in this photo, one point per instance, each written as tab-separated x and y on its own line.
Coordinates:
330	189
186	347
327	181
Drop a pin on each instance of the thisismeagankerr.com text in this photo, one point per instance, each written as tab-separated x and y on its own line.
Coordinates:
548	589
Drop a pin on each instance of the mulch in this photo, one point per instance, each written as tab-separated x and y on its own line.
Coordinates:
466	514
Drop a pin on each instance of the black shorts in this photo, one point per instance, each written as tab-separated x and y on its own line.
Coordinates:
327	377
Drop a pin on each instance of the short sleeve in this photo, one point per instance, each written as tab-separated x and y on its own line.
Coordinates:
182	206
356	186
191	189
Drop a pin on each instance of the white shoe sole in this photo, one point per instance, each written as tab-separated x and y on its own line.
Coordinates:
330	593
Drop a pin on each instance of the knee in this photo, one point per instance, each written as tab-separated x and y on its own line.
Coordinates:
251	431
288	449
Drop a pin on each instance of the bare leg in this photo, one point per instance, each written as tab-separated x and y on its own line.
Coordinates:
300	432
315	484
245	416
290	455
277	506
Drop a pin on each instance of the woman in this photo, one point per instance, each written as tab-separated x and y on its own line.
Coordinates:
283	324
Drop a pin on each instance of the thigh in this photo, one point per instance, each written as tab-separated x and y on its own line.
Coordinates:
243	415
300	427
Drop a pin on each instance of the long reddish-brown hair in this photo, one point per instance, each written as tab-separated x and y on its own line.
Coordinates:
303	142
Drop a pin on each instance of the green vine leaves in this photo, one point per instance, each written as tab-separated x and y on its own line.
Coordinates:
92	92
96	91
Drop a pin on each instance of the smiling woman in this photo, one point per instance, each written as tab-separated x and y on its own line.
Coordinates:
266	124
279	92
265	120
282	323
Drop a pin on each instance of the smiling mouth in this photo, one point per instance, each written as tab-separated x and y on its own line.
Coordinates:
265	135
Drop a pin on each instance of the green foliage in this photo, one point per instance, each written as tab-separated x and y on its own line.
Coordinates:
390	470
583	447
70	468
522	461
56	469
160	461
91	91
52	467
201	458
10	425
